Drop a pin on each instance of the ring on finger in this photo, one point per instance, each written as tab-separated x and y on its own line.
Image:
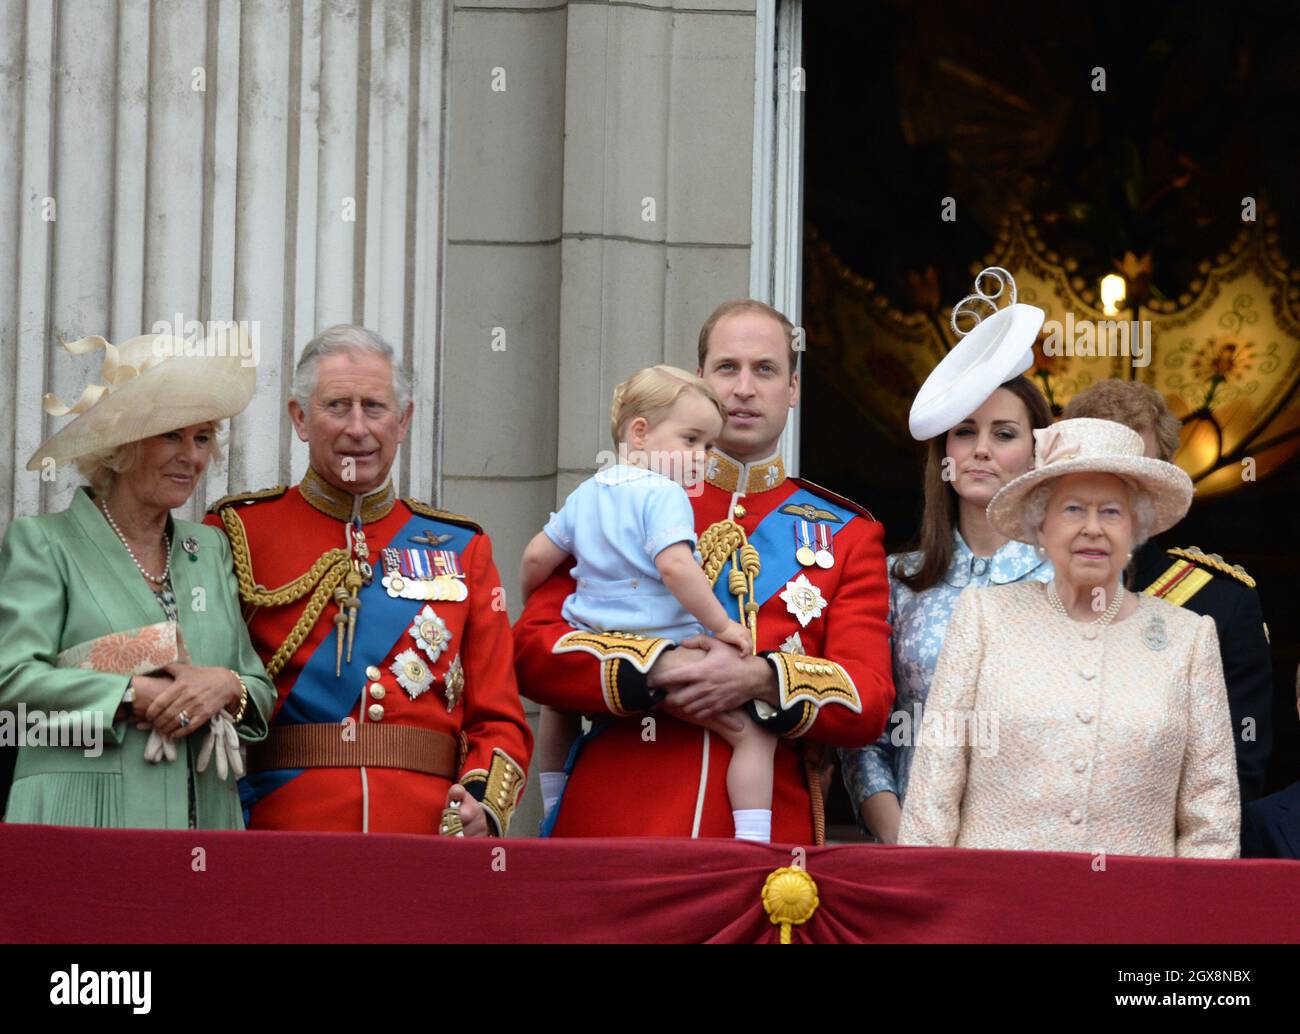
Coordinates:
183	718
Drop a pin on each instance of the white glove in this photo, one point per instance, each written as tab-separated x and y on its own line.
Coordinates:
158	747
222	740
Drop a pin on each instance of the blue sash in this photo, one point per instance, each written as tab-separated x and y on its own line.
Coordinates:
317	695
774	540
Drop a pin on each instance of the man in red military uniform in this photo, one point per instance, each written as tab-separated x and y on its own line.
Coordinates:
379	620
822	674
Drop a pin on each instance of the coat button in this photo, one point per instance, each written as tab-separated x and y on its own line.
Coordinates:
376	712
1085	716
377	691
1080	764
1076	817
372	673
1090	633
1088	673
636	583
981	565
740	512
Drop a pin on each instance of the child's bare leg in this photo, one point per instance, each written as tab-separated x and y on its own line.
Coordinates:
749	779
749	776
556	733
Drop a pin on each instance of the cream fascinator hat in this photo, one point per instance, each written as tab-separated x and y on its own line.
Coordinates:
998	347
1085	445
152	384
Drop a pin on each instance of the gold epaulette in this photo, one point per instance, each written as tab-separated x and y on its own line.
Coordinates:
1215	561
248	497
425	510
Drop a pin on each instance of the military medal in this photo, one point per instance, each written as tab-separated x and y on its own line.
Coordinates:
413	675
393	582
803	599
825	556
803	551
430	633
424	574
454	680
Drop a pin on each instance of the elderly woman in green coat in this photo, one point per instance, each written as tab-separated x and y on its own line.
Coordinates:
125	664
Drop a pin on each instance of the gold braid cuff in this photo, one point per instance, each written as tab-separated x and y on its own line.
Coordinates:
639	650
504	782
324	576
815	682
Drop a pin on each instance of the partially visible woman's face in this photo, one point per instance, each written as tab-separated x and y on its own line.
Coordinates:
168	466
1088	528
990	447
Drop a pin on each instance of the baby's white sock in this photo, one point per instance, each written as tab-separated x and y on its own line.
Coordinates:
552	786
753	824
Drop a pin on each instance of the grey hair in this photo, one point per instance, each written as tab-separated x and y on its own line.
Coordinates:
346	338
101	469
1141	506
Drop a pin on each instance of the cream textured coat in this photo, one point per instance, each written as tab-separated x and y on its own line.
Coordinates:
1046	734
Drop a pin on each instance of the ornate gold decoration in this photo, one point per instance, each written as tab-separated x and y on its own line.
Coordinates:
789	898
1215	561
747	478
814	680
321	580
334	502
723	541
639	650
505	782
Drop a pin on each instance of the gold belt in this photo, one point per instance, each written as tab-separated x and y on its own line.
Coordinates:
322	745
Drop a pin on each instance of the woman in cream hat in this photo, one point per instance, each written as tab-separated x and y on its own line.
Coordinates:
1073	715
120	629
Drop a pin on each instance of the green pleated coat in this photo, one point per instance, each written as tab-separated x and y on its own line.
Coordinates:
65	578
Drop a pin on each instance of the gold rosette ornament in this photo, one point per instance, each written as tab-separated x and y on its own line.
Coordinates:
790	899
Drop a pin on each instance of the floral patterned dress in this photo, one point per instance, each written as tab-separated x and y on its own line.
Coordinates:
919	621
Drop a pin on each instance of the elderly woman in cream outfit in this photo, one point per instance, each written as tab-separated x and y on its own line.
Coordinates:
1113	731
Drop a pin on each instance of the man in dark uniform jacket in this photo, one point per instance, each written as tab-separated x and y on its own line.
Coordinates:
1202	582
1270	827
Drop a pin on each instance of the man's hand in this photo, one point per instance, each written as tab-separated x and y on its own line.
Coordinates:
472	815
713	679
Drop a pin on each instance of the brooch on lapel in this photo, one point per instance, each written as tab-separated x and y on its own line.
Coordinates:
1154	635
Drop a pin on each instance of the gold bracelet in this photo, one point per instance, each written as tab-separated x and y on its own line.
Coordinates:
238	716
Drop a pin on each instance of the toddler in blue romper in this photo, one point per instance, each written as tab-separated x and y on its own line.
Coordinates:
631	532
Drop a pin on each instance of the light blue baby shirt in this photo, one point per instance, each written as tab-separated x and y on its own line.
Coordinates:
614	524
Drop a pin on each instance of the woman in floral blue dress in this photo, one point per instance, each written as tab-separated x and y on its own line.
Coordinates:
958	548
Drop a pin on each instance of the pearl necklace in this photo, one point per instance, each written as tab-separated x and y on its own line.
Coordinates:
1106	618
155	578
